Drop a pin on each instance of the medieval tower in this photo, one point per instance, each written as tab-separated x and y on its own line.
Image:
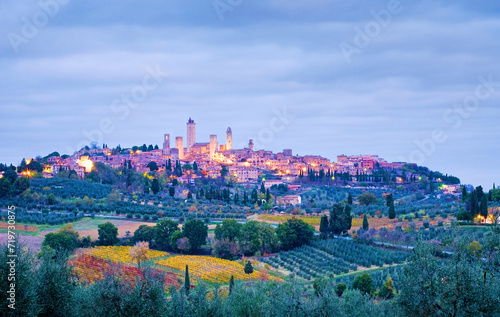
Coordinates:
166	144
229	139
191	134
179	144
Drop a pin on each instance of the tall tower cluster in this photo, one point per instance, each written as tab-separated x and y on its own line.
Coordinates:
191	134
178	152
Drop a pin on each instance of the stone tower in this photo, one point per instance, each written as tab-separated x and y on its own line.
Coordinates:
250	145
229	139
166	144
191	134
179	144
213	146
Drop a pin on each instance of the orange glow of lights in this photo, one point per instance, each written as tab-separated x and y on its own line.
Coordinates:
85	162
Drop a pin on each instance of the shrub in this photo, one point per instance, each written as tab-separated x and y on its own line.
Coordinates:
340	288
363	283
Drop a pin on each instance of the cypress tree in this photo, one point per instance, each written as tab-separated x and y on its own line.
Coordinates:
248	268
268	196
187	283
392	211
155	187
346	219
262	188
323	227
349	199
483	207
365	223
334	226
231	284
389	200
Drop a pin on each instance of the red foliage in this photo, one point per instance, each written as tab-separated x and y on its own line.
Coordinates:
90	269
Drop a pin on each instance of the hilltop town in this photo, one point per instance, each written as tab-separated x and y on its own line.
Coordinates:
246	166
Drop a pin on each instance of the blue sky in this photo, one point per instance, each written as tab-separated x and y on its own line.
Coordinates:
402	79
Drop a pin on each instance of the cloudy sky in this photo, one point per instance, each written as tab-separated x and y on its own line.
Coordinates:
408	80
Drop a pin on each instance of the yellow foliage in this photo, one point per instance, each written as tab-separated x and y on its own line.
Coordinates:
312	220
208	268
474	248
139	252
122	254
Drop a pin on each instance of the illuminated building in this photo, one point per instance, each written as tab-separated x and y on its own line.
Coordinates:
213	146
179	145
86	163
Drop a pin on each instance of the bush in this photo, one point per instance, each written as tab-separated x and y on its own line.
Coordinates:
363	283
340	288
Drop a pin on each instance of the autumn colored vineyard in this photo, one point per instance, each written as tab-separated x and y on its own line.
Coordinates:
312	220
207	268
90	269
94	264
122	254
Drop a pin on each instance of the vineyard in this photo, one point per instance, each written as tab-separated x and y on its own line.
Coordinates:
122	254
90	269
209	269
312	220
94	264
333	257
